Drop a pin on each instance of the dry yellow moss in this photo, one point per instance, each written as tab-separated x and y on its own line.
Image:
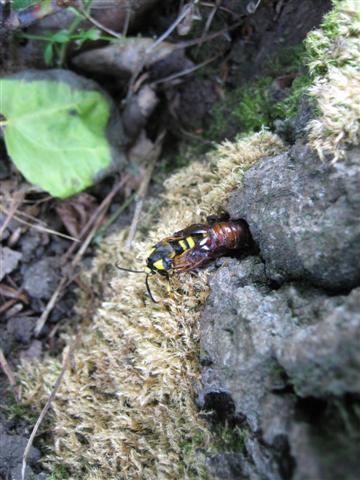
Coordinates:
335	52
126	409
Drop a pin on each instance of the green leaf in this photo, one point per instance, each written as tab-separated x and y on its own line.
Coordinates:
49	54
55	134
61	37
21	4
91	34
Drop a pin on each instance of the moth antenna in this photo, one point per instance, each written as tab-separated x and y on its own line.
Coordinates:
148	288
128	269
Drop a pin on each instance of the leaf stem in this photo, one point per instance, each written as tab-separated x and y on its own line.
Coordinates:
79	36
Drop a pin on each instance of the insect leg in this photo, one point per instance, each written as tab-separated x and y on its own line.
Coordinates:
148	289
128	269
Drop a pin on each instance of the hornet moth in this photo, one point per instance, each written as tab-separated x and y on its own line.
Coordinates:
194	247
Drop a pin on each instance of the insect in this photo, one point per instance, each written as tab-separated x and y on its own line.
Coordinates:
194	247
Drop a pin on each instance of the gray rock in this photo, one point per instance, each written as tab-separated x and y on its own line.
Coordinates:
260	343
243	325
278	414
6	340
9	260
231	466
324	453
11	226
304	215
305	113
235	466
21	328
324	359
41	278
33	353
11	452
30	245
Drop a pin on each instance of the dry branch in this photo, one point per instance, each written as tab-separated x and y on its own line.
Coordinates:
95	222
50	399
143	189
8	372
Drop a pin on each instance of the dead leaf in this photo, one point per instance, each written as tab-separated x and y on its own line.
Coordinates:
138	109
124	57
75	212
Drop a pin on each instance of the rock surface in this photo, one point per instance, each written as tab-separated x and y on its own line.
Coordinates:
11	452
324	359
40	279
304	215
279	357
280	333
8	260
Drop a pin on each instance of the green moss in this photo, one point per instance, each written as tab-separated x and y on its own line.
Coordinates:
250	107
245	109
253	109
192	444
17	411
230	440
59	472
333	45
324	49
289	60
288	107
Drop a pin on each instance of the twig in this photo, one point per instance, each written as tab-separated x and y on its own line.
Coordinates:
160	39
19	196
67	279
171	28
253	6
209	37
127	18
143	190
31	217
99	234
221	7
50	399
13	292
94	216
8	372
208	23
181	45
8	305
93	20
88	239
187	71
37	227
51	303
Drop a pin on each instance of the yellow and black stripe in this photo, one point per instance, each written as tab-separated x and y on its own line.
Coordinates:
186	244
161	255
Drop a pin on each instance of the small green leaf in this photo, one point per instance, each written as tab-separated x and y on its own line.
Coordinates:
21	4
48	54
91	34
55	133
61	37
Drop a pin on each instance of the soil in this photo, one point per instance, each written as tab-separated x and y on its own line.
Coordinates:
32	258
